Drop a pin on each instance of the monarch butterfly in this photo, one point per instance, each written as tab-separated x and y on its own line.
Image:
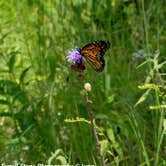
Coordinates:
94	54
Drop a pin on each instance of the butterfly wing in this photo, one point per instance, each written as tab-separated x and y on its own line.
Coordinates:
94	54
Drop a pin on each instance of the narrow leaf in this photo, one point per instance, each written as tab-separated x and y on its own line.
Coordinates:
142	98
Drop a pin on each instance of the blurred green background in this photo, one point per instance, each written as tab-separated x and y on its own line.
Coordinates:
36	95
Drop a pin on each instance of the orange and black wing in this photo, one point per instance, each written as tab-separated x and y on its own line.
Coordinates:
94	54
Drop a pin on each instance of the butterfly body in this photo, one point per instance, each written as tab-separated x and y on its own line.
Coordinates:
94	54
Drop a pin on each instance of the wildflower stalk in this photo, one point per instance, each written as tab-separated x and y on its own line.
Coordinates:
92	120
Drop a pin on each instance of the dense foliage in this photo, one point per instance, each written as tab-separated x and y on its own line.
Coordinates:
43	113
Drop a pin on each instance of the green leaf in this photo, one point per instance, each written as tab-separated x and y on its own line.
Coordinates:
61	159
107	84
5	114
4	102
142	98
23	74
101	116
110	134
164	125
110	99
20	96
57	156
114	144
12	60
2	37
104	146
8	87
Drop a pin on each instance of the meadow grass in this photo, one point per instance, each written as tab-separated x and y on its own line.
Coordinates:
43	113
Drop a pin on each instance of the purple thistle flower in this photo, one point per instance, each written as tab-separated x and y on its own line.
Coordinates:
74	56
